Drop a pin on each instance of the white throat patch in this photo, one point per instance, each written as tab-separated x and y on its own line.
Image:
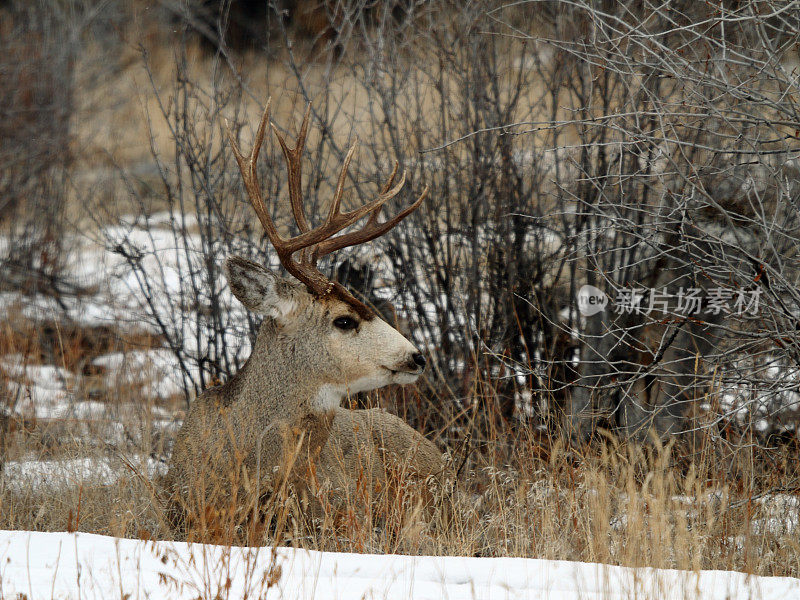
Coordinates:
330	396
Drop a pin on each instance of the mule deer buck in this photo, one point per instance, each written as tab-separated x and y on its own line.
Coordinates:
278	424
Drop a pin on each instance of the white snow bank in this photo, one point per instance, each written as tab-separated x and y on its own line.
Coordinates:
63	565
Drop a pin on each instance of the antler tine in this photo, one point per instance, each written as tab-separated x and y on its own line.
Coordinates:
339	222
247	167
373	218
388	185
343	220
337	196
294	166
371	229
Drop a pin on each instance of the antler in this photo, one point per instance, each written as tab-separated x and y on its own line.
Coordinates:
314	243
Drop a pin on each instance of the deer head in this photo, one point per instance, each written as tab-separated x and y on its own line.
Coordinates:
338	340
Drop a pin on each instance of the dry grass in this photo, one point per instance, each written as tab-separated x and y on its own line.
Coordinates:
625	506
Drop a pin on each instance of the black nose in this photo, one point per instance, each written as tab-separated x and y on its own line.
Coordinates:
419	360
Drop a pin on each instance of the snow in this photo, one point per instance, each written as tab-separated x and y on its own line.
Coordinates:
158	368
62	474
46	393
37	390
79	565
63	565
782	515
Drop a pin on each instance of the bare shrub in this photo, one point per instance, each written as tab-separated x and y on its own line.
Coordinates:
674	170
38	55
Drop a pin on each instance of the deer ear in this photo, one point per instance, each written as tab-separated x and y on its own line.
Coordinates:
259	289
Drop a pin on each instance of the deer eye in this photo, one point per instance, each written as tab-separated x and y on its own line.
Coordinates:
345	323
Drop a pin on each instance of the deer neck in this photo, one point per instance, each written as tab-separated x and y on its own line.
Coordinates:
280	379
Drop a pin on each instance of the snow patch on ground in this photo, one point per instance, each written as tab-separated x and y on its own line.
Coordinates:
78	565
54	475
158	369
